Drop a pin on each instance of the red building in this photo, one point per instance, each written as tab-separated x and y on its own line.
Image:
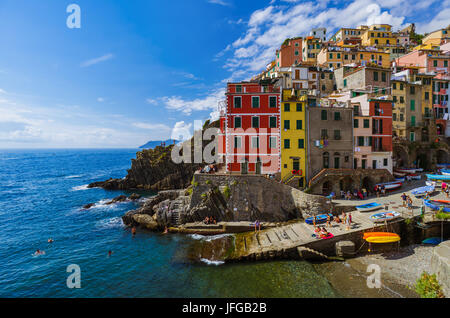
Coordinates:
381	113
250	128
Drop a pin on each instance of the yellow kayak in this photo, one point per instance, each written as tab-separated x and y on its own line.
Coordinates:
383	239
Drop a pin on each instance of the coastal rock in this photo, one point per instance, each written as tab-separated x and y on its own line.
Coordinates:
88	206
120	198
440	264
145	220
153	169
232	199
134	197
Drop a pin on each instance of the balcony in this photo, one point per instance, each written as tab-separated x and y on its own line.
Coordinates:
380	149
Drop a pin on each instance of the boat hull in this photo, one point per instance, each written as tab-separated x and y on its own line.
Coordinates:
436	205
385	216
369	207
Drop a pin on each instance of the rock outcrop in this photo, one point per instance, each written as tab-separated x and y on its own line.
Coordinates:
230	198
154	169
440	264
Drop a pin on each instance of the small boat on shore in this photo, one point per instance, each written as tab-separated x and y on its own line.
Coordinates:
432	241
438	177
368	207
385	216
390	186
383	239
399	174
402	179
415	176
445	172
409	170
378	234
419	192
437	204
321	218
443	165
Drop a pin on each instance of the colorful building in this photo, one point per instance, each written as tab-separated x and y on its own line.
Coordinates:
310	48
290	53
438	37
426	60
293	138
250	128
379	35
337	56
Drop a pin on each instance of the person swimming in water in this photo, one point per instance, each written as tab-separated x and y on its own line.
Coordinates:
39	252
50	240
166	230
133	230
109	253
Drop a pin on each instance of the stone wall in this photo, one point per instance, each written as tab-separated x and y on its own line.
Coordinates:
440	264
252	198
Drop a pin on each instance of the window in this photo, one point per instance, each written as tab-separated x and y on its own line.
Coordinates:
401	87
323	115
287	107
255	122
435	63
299	124
237	122
296	52
326	160
287	124
255	101
272	142
237	142
385	162
413	106
255	142
272	122
337	116
355	123
323	133
360	141
287	144
394	116
402	99
427	95
445	63
366	123
412	90
412	136
331	56
356	110
338	55
331	75
394	85
394	98
237	101
299	107
401	117
336	163
375	76
383	77
345	83
337	135
413	121
238	89
272	101
301	143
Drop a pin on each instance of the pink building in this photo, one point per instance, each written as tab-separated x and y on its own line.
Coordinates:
428	61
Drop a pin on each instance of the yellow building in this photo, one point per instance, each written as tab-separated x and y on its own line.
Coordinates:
293	138
336	56
438	37
310	48
378	35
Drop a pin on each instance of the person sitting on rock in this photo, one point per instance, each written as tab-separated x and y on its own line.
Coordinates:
206	220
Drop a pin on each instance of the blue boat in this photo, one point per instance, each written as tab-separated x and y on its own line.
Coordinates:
436	205
368	207
432	240
321	218
445	172
438	177
418	192
385	216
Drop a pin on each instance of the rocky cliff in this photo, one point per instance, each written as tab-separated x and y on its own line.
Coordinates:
227	198
153	169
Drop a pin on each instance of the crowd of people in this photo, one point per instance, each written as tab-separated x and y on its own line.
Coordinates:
344	218
210	220
208	169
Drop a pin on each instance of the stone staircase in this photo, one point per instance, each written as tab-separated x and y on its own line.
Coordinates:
175	218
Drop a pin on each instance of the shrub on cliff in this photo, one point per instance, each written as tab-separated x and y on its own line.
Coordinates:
427	286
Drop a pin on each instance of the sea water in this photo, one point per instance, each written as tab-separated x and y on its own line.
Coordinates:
42	193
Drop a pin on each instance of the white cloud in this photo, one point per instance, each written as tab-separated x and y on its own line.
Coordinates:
220	2
97	60
209	102
100	99
441	20
151	101
2	91
151	126
181	131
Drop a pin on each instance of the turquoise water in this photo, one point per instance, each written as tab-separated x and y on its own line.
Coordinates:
41	195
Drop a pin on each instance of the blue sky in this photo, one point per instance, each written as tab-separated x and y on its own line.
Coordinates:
145	70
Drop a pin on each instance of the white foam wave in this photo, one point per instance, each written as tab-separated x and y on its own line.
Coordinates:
80	188
209	262
115	222
196	236
208	238
73	177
